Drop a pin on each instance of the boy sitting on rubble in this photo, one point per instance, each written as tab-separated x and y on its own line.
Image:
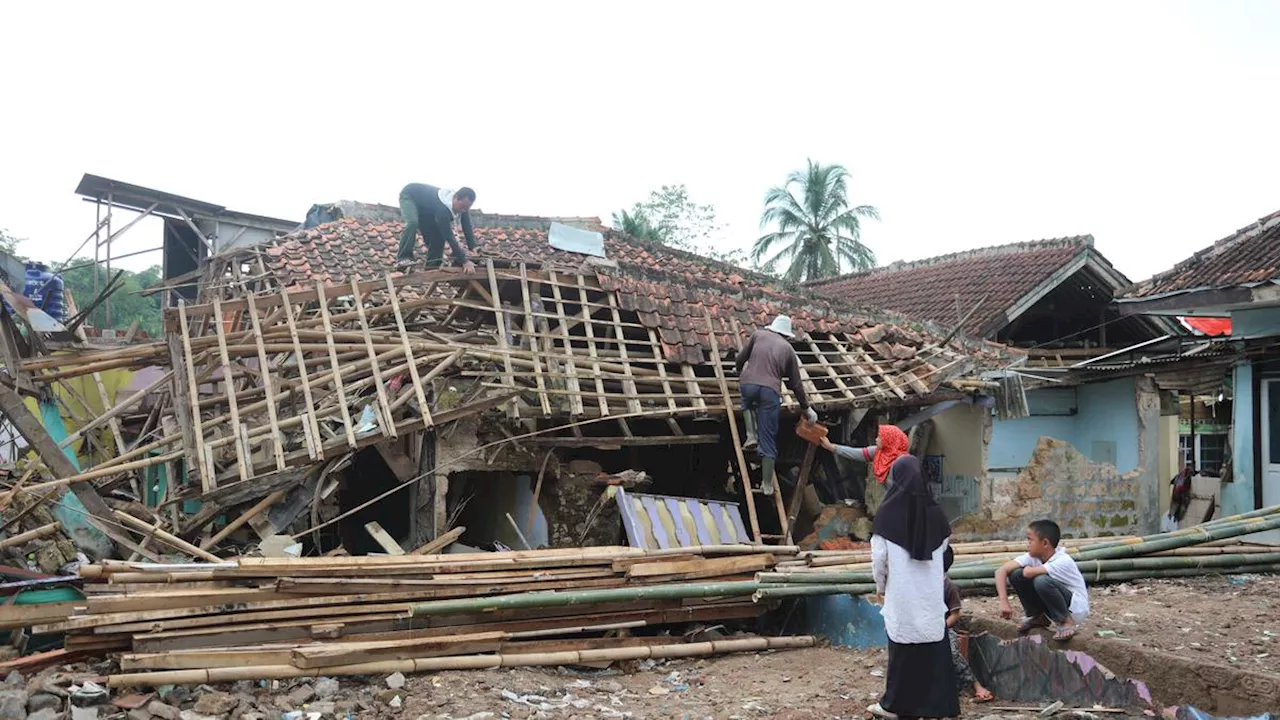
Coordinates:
964	674
1048	583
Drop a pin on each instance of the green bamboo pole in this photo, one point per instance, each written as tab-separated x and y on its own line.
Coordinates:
546	599
1130	575
781	592
1193	530
1193	536
1089	568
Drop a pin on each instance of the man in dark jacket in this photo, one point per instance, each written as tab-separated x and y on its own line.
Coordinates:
433	210
764	361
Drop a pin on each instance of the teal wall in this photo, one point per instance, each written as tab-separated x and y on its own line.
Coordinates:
1255	322
1100	420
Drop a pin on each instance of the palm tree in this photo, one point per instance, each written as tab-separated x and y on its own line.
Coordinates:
817	233
637	225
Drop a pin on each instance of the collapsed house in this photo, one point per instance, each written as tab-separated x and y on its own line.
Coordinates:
308	392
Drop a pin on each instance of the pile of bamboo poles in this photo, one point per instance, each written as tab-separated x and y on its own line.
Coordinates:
1213	547
263	618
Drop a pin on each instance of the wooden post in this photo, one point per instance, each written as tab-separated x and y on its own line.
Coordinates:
192	390
264	366
388	424
423	408
797	498
310	426
733	428
333	362
243	459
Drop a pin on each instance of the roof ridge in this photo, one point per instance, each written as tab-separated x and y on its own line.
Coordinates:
1083	241
1244	234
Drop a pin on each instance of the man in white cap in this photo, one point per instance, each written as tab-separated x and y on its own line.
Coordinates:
765	360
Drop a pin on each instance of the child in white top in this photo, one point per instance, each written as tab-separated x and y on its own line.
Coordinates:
1048	584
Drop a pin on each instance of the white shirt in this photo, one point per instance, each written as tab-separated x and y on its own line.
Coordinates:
446	197
1063	569
914	611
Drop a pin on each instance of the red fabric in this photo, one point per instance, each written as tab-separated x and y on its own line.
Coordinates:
892	445
1211	326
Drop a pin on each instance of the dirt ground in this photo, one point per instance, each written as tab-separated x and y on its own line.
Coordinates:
1231	620
792	685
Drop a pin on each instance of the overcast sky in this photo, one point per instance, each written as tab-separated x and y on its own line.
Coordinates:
1151	125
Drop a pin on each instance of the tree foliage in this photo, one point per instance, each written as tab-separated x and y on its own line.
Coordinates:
126	304
669	216
816	233
9	243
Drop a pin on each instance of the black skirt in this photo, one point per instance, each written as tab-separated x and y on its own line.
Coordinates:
921	681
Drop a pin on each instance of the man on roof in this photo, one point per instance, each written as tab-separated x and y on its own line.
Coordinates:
432	211
765	360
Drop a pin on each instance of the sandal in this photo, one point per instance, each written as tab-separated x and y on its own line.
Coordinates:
1065	633
983	696
1029	624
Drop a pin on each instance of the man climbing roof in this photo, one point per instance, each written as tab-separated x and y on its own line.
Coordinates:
764	361
432	211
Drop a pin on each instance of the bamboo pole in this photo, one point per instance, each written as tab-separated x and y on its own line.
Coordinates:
30	535
248	515
583	597
171	540
459	662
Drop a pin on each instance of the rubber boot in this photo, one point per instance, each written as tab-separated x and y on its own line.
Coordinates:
749	425
766	475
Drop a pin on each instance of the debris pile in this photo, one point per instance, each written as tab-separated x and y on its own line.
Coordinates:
275	618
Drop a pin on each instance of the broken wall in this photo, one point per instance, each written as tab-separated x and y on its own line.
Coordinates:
1101	479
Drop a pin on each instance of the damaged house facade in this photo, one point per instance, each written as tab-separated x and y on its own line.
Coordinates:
1090	446
1229	290
570	392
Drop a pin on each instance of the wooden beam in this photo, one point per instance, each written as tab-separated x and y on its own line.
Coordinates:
638	441
733	428
384	539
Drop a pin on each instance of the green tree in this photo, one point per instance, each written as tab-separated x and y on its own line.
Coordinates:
816	233
126	304
670	217
635	224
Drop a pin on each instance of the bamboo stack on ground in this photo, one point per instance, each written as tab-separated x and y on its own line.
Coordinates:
294	617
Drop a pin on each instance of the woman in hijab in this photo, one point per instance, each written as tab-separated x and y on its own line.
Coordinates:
908	547
891	444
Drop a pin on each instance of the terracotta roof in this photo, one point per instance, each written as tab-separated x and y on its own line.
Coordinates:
666	287
929	289
1249	256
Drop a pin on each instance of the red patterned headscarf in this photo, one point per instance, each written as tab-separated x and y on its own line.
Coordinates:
893	445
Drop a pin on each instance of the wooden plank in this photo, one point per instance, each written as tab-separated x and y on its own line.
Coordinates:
264	366
243	464
388	426
531	332
628	385
387	542
311	425
333	363
441	542
207	480
733	428
831	371
319	656
591	347
797	497
700	568
574	386
499	318
418	392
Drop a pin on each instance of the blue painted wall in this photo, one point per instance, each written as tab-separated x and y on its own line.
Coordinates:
1255	322
1237	496
1102	413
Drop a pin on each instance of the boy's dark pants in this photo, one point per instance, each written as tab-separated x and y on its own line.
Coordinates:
1041	595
